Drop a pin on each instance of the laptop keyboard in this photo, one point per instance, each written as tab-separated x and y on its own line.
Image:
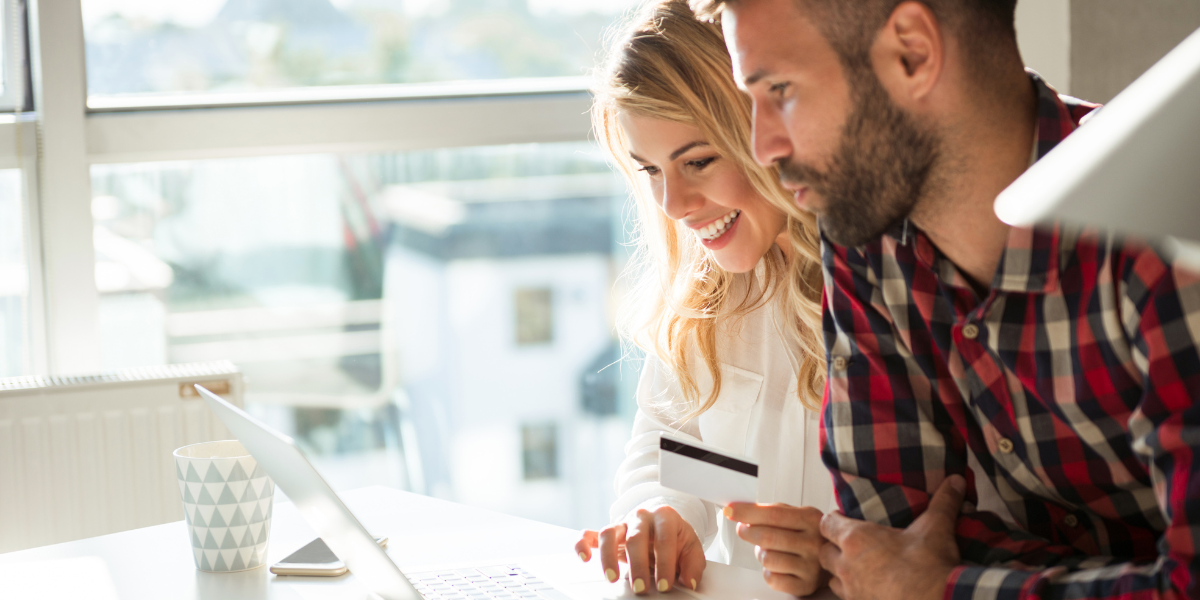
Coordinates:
484	583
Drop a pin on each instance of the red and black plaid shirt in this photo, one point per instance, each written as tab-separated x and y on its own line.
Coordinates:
1065	397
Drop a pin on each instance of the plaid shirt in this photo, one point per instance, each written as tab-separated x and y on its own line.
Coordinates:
1065	397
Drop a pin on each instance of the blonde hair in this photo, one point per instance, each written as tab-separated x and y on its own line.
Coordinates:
669	65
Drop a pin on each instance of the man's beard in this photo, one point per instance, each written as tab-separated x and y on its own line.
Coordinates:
879	171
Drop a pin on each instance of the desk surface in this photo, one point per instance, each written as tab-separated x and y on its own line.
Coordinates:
156	562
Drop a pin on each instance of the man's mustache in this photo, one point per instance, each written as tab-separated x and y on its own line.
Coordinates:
794	174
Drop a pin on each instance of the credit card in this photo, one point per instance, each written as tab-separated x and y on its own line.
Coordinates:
705	472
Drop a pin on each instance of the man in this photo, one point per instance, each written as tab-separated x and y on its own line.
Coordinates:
1054	368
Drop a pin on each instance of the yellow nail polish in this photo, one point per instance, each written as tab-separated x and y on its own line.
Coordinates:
639	586
583	557
663	585
610	574
728	512
693	585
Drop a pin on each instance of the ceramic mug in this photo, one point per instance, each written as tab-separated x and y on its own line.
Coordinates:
227	501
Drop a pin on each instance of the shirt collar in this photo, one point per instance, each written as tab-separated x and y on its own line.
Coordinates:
1032	256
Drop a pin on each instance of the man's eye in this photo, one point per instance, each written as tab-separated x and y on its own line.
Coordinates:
650	170
779	88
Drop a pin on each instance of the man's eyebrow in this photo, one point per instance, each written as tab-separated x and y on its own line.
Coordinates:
688	146
754	77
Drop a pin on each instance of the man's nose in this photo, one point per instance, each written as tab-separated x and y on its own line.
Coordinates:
769	136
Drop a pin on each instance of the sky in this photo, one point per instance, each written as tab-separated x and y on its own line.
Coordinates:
195	13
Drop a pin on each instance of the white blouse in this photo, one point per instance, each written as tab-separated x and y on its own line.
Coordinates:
757	414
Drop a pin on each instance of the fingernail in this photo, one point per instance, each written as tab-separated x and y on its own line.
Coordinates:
611	575
959	484
639	586
663	585
728	512
583	557
693	585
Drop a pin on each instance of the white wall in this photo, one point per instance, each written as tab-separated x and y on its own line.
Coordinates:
1044	36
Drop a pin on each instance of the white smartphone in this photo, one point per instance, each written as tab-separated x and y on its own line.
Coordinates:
315	560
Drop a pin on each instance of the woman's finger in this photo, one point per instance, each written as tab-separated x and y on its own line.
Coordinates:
789	584
587	540
799	518
691	561
611	541
805	572
666	548
639	542
802	543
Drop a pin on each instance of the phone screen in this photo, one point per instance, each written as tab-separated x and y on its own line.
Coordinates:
315	553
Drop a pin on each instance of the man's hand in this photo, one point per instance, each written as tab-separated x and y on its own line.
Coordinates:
787	540
657	541
873	562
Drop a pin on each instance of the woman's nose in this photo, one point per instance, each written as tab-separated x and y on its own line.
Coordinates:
678	198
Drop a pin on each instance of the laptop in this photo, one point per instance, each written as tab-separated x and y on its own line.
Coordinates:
519	578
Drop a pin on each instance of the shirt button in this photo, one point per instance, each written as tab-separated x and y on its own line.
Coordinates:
1005	445
970	331
1070	520
839	363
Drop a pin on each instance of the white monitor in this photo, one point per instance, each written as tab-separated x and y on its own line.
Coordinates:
1133	167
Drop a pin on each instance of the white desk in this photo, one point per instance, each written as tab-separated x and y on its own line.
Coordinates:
156	563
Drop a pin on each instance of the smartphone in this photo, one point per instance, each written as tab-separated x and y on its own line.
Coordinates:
315	560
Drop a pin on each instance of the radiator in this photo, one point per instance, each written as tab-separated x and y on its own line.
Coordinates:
91	455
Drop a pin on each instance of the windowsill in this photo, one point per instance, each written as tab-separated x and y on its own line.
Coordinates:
340	94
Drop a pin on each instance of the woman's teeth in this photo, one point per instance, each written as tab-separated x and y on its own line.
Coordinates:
718	228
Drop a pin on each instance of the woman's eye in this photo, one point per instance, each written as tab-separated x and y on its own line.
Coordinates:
700	164
651	171
779	88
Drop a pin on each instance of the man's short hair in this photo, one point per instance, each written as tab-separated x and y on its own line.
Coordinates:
981	26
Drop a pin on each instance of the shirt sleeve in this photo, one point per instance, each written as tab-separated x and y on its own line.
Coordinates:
637	478
890	435
1161	313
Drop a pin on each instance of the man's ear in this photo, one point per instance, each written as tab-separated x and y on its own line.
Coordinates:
909	53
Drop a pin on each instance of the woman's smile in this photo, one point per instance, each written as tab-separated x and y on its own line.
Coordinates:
701	189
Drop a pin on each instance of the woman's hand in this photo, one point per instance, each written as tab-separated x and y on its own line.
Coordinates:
787	542
656	540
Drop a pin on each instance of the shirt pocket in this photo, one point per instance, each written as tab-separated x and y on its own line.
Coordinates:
725	425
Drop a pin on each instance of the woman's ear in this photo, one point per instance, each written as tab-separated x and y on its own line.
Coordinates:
909	53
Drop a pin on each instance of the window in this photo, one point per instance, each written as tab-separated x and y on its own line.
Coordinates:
305	271
535	316
136	47
14	277
343	198
13	83
539	451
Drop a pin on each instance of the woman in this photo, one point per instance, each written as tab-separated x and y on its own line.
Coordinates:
726	306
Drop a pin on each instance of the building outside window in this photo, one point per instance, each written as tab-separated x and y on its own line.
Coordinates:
489	269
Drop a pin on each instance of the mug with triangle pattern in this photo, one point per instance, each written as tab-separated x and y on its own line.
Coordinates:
227	501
